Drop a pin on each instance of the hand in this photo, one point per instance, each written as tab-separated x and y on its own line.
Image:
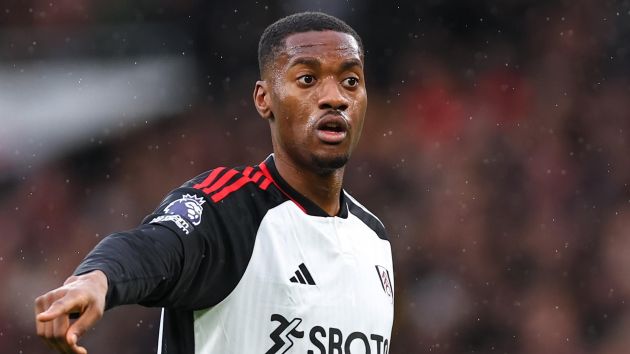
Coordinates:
83	295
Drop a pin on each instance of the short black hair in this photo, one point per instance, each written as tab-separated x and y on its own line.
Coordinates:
273	37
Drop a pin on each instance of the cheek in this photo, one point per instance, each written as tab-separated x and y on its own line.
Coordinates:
294	110
298	111
359	108
289	113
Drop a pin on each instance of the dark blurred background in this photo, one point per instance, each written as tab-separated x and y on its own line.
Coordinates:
496	151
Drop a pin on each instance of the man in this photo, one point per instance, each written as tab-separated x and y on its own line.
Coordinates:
272	258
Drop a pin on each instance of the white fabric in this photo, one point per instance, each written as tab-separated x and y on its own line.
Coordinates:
348	295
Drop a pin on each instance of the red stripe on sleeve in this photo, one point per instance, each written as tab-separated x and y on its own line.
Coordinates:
265	184
247	171
211	177
221	182
256	177
231	188
238	184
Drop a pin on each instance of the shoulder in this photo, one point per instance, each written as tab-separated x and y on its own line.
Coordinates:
362	213
232	195
223	182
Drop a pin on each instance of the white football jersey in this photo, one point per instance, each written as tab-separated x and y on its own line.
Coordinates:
258	268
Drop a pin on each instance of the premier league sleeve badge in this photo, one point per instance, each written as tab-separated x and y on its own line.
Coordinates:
184	212
189	207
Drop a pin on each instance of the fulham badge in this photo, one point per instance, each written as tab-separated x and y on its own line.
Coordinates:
383	275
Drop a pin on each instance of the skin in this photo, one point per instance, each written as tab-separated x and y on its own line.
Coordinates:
84	294
317	75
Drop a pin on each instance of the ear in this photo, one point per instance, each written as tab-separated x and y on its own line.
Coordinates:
262	100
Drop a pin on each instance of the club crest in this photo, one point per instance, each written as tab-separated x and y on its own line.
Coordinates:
383	275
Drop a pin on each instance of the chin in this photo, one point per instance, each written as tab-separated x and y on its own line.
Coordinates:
328	164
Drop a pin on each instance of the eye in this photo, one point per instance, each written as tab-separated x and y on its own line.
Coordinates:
351	82
306	80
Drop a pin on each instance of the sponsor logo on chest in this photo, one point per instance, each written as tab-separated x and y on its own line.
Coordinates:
323	340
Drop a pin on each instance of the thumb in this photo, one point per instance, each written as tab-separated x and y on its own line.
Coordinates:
82	324
72	340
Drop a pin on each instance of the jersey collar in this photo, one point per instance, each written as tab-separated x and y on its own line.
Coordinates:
269	167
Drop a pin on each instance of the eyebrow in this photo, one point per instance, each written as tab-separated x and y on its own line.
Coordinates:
351	63
307	61
313	62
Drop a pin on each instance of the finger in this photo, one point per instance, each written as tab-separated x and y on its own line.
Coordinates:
55	319
73	339
63	306
47	326
41	304
60	327
58	340
49	337
81	325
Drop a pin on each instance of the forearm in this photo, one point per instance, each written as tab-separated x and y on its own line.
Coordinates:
141	265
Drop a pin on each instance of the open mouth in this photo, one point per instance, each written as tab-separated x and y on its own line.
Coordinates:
332	128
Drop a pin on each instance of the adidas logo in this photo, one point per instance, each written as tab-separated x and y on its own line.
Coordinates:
302	276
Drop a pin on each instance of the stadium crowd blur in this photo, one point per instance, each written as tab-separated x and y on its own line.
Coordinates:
496	151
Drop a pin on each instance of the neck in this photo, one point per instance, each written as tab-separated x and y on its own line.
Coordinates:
322	189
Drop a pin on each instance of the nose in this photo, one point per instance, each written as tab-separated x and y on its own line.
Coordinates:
332	96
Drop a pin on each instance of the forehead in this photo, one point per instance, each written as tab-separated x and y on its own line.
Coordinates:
321	44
